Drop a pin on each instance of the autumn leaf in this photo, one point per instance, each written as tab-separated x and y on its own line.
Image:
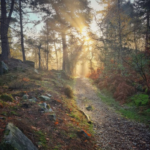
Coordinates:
1	105
56	123
26	79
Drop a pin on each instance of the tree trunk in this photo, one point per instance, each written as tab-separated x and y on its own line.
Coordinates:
47	43
147	32
39	58
5	21
21	31
65	56
120	36
56	54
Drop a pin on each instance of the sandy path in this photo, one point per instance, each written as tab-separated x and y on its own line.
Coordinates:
113	132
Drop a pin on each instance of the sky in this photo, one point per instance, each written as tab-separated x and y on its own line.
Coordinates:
94	5
94	27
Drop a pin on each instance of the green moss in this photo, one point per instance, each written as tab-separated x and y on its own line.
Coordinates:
73	135
57	147
13	113
4	113
7	97
132	113
4	146
42	139
7	132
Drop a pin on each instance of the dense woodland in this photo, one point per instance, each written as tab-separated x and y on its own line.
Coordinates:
58	36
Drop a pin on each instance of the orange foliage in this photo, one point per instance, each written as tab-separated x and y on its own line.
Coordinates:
87	133
1	105
123	90
96	73
26	79
56	123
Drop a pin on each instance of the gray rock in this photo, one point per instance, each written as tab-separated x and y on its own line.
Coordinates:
3	68
45	98
46	107
49	95
25	97
52	116
15	139
89	108
36	71
43	105
33	100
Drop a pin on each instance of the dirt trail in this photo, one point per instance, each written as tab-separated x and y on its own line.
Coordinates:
113	132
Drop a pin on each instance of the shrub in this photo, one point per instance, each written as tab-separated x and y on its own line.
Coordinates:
123	90
7	97
68	91
140	99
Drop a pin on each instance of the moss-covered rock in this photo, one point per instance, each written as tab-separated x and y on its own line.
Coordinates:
5	146
68	91
6	97
14	139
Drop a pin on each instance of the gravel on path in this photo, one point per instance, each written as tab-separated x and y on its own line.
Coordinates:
112	131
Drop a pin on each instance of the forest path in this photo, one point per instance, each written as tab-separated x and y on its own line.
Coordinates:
112	131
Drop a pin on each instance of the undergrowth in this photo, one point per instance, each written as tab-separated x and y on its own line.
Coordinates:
128	111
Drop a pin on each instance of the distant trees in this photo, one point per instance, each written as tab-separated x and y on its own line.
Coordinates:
69	15
142	8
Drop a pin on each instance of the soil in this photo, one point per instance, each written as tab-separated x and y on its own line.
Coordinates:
46	132
112	131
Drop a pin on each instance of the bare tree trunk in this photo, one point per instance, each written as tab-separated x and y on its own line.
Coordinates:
56	54
39	57
21	33
120	36
65	56
5	21
147	32
47	43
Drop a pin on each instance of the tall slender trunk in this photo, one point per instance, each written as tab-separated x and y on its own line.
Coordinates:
56	54
5	21
47	43
147	32
65	56
120	36
21	31
39	57
135	42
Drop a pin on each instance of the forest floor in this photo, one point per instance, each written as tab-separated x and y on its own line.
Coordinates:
63	127
112	131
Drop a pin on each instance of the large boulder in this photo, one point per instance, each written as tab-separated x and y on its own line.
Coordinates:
29	63
3	68
14	139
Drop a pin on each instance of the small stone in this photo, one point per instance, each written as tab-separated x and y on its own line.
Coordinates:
49	95
45	107
25	97
52	117
46	98
36	71
33	100
89	108
25	106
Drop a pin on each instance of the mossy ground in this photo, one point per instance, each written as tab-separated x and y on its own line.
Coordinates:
46	134
128	110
